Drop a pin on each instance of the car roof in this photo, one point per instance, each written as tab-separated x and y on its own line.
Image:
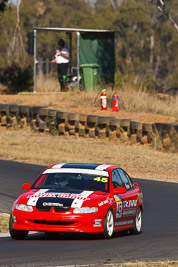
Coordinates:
88	166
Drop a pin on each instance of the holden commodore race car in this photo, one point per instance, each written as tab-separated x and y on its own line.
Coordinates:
80	198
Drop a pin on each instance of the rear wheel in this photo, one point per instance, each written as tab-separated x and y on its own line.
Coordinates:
16	234
138	222
108	225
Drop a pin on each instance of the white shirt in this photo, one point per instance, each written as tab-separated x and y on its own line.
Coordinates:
61	59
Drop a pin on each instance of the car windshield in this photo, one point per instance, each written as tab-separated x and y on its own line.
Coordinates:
76	181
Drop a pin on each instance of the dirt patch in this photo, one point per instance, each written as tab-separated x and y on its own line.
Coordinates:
139	161
80	103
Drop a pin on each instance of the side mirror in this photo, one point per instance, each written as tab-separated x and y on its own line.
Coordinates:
136	185
120	190
26	186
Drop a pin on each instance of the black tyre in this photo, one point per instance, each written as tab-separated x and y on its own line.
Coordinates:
135	126
42	126
147	127
125	126
114	121
62	115
138	222
44	112
5	108
163	128
35	110
92	133
82	131
174	126
14	108
82	117
103	120
125	123
108	225
92	119
53	112
73	117
24	109
16	234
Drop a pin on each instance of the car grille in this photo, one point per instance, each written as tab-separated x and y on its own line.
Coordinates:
53	222
56	209
41	208
61	209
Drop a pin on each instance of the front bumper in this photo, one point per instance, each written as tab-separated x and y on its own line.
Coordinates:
56	221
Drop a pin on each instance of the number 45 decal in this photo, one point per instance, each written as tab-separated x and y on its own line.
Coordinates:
101	179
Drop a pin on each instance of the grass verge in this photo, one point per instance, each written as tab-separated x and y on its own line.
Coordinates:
145	264
139	161
4	223
133	104
131	99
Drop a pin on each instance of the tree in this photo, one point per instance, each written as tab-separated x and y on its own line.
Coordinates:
162	7
146	41
3	5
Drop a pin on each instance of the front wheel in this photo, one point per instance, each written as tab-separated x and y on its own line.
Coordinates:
138	222
108	225
16	234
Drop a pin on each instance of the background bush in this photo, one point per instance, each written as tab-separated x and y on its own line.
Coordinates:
17	78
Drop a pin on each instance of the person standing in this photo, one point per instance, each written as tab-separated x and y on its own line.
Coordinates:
62	61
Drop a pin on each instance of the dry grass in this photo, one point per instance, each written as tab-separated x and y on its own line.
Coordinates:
150	103
82	102
145	264
139	161
47	84
4	222
131	99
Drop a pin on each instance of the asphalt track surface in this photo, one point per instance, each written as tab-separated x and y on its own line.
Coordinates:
158	241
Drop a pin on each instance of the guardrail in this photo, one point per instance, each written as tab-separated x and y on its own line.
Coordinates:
41	119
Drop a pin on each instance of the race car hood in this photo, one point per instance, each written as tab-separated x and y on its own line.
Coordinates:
44	199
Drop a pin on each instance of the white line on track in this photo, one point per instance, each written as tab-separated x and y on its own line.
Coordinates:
6	234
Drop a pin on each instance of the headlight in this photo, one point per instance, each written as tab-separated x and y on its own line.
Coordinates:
85	210
23	207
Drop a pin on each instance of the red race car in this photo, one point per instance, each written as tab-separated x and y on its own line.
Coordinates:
78	197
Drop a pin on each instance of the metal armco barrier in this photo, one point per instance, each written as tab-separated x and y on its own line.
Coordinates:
54	121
